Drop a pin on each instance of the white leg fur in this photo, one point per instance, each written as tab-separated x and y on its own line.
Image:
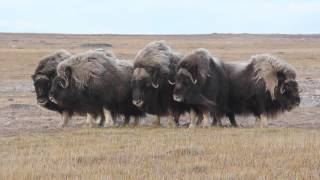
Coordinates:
98	119
109	121
89	120
158	121
193	119
136	120
206	119
262	121
65	118
171	122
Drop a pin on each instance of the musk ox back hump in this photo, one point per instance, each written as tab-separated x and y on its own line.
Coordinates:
85	67
154	54
198	62
49	63
266	67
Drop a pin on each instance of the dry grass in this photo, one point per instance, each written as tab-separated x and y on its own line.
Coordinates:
148	153
20	52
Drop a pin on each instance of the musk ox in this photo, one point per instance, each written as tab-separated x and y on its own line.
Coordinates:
265	85
155	67
43	77
42	80
93	81
201	81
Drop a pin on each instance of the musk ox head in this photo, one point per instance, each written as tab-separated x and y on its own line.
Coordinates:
66	78
44	74
287	92
143	83
60	91
185	85
151	70
173	67
42	86
194	70
61	87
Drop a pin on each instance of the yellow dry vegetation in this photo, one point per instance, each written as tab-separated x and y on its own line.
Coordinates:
160	153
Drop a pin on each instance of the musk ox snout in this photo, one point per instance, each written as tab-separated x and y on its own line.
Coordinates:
42	101
178	92
42	89
137	103
177	98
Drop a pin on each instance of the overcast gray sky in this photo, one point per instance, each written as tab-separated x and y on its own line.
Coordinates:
160	16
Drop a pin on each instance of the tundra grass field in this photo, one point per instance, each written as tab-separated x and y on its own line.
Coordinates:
33	146
153	153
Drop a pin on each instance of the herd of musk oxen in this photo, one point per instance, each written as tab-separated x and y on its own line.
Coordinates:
161	82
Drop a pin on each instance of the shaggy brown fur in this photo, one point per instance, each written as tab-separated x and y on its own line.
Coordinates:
153	80
155	55
43	76
48	64
202	81
266	68
198	62
102	78
265	85
85	67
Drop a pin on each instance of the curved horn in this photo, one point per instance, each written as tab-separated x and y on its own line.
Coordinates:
170	82
194	81
40	76
65	84
282	90
188	74
155	85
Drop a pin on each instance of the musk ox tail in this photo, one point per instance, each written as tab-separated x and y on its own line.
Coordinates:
266	68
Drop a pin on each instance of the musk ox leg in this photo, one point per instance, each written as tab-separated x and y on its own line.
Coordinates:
206	119
126	120
216	121
102	120
66	116
90	119
108	118
136	120
261	121
232	120
193	119
176	117
171	122
199	117
157	121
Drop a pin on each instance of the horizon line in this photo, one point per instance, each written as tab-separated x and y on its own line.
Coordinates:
160	34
